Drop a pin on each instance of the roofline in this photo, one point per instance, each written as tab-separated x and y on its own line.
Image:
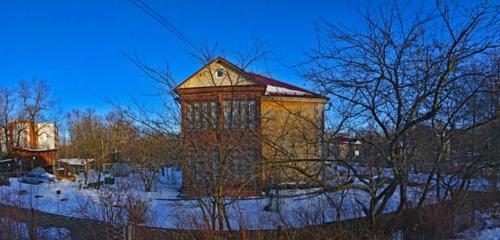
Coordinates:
28	122
250	76
323	100
218	59
314	95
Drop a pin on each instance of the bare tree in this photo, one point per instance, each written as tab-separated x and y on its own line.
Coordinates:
6	114
36	101
399	72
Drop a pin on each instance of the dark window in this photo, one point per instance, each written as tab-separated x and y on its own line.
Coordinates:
203	164
243	164
196	165
219	73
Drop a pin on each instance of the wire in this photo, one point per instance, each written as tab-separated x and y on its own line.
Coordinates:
163	21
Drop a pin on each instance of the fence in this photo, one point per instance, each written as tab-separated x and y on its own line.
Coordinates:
431	222
19	223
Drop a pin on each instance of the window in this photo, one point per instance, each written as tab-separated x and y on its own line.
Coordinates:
240	167
197	115
219	73
243	113
214	113
240	114
196	166
205	118
228	114
236	118
189	116
252	110
202	115
203	164
242	164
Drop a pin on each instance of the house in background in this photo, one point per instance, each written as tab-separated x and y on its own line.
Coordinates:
262	129
344	147
35	144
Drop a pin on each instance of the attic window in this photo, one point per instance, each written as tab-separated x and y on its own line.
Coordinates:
219	73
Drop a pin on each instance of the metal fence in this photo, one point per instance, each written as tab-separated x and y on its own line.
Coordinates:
19	223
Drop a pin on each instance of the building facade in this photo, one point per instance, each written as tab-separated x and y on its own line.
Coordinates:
242	130
35	144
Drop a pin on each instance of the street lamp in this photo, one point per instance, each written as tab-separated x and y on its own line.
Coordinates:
33	162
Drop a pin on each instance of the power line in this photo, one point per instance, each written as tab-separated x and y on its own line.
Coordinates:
163	21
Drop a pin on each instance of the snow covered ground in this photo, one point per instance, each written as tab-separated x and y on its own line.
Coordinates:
487	226
478	184
169	210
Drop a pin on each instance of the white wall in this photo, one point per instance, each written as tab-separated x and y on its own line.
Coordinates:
46	139
47	136
21	136
3	146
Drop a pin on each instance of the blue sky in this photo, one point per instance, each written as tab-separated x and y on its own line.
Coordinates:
76	46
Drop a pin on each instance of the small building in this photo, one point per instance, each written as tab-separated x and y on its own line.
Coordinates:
70	167
344	147
8	165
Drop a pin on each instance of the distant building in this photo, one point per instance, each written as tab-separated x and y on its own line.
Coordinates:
70	167
341	146
260	127
35	144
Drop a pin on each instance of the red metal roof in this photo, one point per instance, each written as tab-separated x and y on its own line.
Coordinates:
278	88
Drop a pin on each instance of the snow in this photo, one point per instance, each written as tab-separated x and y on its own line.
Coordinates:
75	161
487	226
281	90
168	209
478	184
171	211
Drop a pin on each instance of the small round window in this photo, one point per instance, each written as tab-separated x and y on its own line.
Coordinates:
219	73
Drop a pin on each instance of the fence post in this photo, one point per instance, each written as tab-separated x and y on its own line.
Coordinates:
32	225
129	232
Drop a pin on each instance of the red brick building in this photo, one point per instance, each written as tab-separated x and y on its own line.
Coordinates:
35	144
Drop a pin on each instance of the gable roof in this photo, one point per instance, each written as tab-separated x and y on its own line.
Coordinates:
273	87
